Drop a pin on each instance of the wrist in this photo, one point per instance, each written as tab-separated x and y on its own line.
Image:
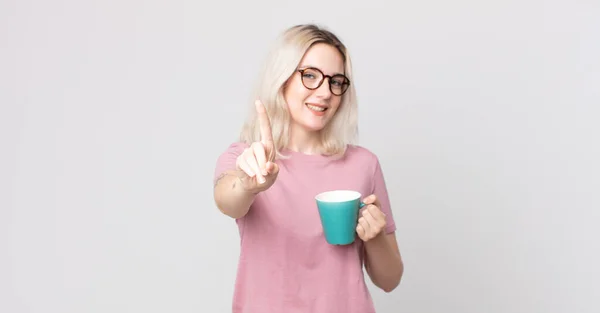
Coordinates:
378	240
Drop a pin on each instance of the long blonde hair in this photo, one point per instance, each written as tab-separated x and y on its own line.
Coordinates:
281	64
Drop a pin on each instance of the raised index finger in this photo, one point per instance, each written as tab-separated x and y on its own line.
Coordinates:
266	136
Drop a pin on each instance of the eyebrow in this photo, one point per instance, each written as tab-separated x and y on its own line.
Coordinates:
308	65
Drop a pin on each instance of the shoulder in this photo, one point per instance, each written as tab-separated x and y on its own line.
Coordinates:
227	158
230	153
361	157
235	148
362	153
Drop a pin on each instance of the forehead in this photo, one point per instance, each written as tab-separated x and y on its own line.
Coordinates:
324	57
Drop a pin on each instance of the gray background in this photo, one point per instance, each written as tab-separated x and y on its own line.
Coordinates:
484	115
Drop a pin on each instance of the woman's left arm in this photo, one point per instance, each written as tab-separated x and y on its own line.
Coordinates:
382	255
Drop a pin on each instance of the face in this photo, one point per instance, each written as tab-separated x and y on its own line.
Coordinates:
311	110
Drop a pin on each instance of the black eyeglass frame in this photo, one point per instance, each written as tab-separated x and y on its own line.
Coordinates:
346	81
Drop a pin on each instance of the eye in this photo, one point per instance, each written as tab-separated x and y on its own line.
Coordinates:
338	81
311	74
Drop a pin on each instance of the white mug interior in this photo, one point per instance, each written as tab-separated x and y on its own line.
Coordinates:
338	196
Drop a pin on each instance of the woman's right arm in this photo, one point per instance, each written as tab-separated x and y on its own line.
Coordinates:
236	189
255	171
230	196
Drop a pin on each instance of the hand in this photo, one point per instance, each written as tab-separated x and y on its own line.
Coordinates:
256	165
372	221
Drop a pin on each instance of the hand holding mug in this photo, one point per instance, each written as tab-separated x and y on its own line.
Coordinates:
372	220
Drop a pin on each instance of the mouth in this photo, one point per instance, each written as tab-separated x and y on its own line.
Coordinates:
316	107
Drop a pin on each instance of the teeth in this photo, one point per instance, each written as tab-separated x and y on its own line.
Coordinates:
315	108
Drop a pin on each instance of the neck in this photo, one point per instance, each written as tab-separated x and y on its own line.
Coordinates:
303	141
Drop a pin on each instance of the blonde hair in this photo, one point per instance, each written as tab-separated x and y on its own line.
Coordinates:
281	64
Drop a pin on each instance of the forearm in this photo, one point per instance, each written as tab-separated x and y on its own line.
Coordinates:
383	261
230	197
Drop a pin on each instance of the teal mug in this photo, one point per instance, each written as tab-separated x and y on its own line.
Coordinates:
338	210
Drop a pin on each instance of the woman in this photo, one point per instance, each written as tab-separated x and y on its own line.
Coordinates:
298	143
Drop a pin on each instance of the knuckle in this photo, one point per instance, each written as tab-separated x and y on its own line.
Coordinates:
245	153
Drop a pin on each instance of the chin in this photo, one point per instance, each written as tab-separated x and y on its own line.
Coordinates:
313	127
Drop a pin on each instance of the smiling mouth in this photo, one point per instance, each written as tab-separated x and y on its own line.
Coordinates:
316	108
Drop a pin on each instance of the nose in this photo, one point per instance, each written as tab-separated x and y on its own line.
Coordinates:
323	91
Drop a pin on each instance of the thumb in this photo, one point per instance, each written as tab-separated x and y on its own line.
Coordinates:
272	168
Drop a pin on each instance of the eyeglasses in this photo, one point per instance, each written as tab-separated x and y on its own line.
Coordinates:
312	78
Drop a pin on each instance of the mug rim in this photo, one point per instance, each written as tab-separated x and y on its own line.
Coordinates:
352	195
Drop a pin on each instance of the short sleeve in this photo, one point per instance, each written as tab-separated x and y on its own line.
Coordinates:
226	161
380	190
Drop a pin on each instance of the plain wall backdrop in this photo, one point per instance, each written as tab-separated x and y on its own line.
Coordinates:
112	113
